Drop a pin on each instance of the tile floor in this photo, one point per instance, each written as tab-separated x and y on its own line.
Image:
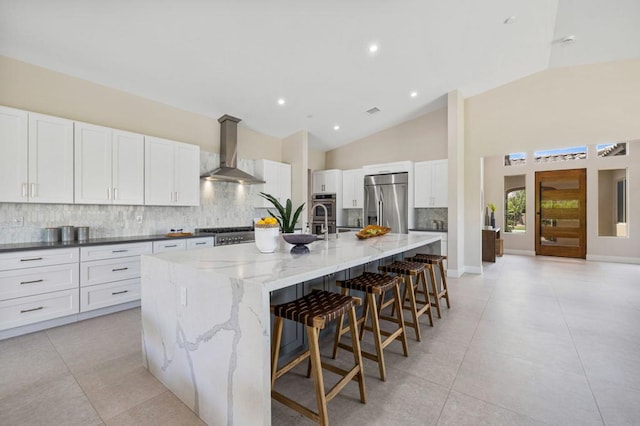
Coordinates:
531	341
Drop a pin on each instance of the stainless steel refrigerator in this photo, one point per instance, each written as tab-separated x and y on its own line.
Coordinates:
386	201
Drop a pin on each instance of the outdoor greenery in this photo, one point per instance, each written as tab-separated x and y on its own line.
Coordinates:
515	210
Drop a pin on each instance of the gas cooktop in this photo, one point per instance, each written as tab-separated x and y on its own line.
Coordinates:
229	235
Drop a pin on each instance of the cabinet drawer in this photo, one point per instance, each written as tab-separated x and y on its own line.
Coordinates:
103	295
32	309
109	270
194	243
114	251
45	279
32	258
171	245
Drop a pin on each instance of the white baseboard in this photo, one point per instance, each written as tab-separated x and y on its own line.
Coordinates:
473	269
613	259
520	252
453	273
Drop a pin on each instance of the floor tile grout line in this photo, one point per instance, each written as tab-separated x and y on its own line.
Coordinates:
465	355
593	395
75	379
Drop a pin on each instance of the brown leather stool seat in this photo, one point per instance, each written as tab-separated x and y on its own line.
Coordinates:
408	270
315	310
431	260
375	285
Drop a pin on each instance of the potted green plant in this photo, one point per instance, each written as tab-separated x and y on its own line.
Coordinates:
493	214
284	217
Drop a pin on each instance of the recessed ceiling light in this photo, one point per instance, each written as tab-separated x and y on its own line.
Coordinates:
336	127
281	101
510	20
413	94
373	48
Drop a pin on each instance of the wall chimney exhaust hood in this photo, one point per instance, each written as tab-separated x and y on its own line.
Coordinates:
228	171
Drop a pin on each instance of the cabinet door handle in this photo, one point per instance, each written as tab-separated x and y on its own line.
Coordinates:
31	282
119	269
115	194
31	259
199	244
31	310
171	245
109	194
119	251
176	196
33	190
24	190
119	292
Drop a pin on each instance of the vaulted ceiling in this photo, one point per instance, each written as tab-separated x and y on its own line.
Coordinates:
240	57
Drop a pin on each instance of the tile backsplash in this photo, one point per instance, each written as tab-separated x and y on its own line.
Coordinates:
424	217
221	204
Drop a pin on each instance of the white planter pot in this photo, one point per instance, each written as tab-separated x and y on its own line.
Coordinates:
267	239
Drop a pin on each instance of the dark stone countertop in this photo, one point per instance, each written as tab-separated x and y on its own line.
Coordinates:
39	245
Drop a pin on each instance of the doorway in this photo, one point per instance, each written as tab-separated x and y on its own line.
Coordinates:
561	213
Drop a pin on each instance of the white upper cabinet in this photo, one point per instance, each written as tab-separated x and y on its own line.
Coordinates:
431	183
353	189
36	161
278	181
50	159
14	154
127	167
109	166
172	173
327	182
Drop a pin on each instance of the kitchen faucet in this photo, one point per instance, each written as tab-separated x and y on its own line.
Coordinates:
325	228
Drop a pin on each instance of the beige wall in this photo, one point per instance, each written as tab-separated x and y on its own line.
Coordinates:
564	107
295	152
38	89
317	159
423	138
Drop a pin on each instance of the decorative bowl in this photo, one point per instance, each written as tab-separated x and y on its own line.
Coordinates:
300	242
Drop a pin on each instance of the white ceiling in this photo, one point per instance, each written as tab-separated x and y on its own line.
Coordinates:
238	57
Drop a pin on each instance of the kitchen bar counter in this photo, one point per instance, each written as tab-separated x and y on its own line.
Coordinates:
39	245
206	319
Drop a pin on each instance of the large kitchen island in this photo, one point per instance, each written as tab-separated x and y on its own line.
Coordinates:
206	319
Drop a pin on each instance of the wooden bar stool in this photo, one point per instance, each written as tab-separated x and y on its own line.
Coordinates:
315	310
408	270
431	260
374	285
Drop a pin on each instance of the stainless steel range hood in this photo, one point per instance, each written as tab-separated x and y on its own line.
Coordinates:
228	172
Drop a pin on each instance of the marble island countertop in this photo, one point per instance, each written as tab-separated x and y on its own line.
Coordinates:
206	319
281	268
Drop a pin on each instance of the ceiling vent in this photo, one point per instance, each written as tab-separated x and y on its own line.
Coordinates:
373	110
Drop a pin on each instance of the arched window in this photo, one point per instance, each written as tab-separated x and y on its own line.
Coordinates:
515	209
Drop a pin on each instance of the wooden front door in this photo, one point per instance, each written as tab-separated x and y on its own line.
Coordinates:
561	213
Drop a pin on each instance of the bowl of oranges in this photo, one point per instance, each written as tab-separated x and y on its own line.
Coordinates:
267	233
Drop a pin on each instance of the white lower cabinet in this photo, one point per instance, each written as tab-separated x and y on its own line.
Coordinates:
42	285
41	307
171	245
44	279
38	285
109	294
110	274
195	243
108	270
182	244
